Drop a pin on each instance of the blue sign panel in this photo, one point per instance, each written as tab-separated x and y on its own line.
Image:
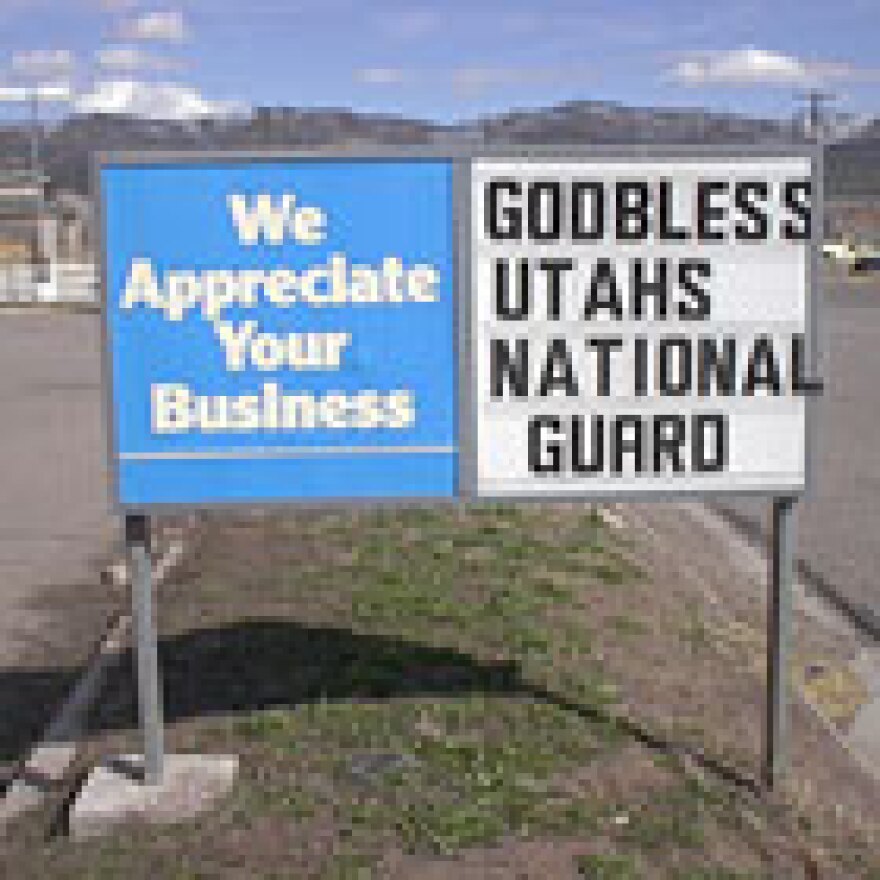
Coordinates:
280	331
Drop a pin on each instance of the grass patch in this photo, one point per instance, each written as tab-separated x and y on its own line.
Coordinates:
607	867
421	679
440	775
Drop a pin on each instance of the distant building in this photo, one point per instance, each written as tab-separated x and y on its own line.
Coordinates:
39	226
23	237
857	221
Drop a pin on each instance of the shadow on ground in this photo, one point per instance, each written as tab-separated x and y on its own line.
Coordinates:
264	664
28	697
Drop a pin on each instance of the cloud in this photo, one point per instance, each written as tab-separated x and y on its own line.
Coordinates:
471	80
382	76
751	66
152	100
126	59
43	63
159	26
479	78
60	92
475	79
117	5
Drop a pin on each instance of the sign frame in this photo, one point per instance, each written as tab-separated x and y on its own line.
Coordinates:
461	159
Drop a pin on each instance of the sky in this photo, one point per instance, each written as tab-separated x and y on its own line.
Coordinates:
439	60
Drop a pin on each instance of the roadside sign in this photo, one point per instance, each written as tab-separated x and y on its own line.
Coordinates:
280	330
619	323
632	322
641	325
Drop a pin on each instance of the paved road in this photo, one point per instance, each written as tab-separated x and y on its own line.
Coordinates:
839	528
54	520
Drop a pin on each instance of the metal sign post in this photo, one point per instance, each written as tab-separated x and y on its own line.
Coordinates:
779	629
137	540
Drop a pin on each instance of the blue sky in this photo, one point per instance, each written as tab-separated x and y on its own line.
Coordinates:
439	60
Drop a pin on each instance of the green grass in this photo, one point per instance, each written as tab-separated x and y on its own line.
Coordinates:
442	774
463	768
607	868
417	679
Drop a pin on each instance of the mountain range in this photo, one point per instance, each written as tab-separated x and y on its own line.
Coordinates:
852	165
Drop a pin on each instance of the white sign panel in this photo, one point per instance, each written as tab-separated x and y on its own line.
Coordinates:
641	326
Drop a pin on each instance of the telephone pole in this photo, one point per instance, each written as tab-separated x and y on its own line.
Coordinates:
817	114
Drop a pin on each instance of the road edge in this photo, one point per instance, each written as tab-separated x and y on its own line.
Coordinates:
861	737
51	758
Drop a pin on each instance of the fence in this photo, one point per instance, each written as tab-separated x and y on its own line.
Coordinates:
72	283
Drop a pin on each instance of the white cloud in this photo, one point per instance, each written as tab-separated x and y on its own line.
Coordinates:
470	80
382	76
751	66
126	59
43	63
159	26
152	100
59	92
478	78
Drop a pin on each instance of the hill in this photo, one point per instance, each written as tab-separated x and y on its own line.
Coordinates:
853	167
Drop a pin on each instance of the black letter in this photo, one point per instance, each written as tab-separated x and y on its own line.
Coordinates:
762	370
537	191
723	366
675	386
668	232
669	434
537	464
801	383
554	269
796	197
558	371
514	369
700	462
603	346
657	287
579	464
627	210
700	304
603	276
747	192
513	215
707	212
596	229
503	307
633	445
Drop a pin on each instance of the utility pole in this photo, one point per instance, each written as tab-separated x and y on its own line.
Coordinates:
37	178
34	100
818	103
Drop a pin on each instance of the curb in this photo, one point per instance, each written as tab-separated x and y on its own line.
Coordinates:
48	763
863	618
845	699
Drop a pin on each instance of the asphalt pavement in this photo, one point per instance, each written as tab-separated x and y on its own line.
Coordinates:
55	524
55	520
838	532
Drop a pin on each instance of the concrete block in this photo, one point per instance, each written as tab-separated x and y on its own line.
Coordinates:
114	793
